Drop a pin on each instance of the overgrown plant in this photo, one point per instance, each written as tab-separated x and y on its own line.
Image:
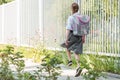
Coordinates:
91	73
50	67
10	57
6	56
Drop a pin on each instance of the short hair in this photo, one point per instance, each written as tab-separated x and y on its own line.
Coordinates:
75	7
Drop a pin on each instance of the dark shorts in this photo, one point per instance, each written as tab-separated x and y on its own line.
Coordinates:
75	44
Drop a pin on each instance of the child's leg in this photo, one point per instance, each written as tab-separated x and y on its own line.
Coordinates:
68	54
69	57
78	70
77	57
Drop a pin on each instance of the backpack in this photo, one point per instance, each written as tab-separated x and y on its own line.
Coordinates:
81	25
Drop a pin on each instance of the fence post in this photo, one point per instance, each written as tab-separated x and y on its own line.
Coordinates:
3	23
41	19
18	22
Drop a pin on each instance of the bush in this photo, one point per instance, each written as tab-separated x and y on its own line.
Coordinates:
50	65
9	57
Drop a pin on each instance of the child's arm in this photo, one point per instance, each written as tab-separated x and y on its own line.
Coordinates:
83	38
67	34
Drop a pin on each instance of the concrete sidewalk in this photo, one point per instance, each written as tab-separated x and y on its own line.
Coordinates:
66	72
69	73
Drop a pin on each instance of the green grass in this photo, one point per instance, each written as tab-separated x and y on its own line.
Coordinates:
28	52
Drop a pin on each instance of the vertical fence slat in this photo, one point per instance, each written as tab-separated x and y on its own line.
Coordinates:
105	22
118	27
3	16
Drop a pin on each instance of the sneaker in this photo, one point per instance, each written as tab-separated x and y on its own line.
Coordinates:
78	72
69	63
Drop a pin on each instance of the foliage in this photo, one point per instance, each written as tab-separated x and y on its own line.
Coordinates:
4	1
39	53
96	65
92	73
8	58
50	66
